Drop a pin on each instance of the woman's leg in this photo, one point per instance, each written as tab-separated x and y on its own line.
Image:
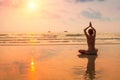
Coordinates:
83	51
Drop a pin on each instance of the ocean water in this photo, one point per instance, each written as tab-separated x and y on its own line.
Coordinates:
21	61
55	38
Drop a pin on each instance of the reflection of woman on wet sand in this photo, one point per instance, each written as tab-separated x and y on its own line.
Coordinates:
90	35
90	71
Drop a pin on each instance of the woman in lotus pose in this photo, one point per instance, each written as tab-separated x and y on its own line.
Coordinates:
90	34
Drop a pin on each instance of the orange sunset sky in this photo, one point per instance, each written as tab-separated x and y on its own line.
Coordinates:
59	15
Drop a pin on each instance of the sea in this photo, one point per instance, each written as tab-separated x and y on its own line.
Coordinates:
55	56
65	38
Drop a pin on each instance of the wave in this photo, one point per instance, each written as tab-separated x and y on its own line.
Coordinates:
61	38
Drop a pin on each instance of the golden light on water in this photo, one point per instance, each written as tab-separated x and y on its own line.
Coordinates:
33	75
32	65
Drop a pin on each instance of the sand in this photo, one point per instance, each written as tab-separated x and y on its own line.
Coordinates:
59	62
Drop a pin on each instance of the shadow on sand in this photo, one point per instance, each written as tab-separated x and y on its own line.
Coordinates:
90	69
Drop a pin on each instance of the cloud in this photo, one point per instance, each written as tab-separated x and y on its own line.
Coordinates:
1	2
83	1
11	3
93	14
88	0
118	8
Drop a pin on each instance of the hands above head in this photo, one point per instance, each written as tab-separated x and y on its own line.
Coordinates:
90	24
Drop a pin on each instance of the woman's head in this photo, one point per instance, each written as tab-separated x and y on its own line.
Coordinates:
90	31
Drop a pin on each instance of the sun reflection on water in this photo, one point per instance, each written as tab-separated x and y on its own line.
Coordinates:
33	75
32	65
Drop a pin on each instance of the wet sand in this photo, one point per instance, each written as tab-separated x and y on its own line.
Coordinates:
59	62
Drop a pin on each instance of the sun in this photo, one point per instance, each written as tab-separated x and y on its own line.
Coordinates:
32	5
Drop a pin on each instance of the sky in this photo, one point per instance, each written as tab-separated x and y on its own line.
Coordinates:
59	15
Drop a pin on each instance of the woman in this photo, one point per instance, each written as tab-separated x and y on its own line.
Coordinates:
90	35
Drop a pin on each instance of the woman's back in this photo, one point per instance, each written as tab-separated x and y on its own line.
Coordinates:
91	43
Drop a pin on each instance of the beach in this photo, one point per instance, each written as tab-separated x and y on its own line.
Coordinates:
44	39
59	62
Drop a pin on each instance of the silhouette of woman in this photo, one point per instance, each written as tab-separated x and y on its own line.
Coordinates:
90	34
